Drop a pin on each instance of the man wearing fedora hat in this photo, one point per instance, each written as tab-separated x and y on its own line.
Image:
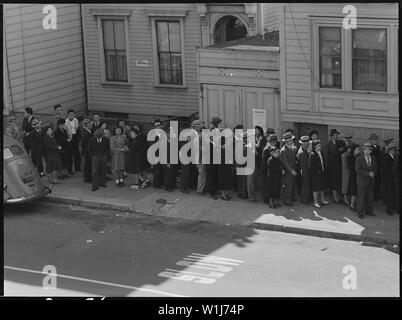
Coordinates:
157	169
304	171
288	160
333	163
86	134
212	169
366	168
36	143
27	127
383	152
198	125
388	179
377	154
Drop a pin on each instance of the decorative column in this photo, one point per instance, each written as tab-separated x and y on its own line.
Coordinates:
251	12
202	10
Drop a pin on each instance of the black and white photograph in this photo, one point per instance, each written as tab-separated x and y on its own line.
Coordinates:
201	150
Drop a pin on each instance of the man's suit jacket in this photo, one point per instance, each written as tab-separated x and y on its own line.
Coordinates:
363	178
288	158
26	126
332	156
388	170
303	158
36	140
96	126
85	137
98	149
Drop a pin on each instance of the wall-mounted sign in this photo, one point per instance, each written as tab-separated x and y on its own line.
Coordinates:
141	63
260	118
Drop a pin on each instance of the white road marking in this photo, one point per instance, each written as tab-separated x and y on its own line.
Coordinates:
204	262
96	282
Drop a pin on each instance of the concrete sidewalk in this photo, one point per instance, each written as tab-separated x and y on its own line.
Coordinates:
334	221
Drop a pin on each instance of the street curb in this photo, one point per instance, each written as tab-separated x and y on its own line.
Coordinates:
365	240
88	204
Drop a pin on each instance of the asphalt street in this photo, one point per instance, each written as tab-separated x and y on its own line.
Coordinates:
99	253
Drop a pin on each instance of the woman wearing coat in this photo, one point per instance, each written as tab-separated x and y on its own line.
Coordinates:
118	148
53	160
137	159
61	137
272	172
317	170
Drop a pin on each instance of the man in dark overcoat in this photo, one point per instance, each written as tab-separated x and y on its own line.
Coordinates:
366	169
288	160
333	164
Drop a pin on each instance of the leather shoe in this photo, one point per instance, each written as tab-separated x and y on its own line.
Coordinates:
360	215
370	214
103	185
94	188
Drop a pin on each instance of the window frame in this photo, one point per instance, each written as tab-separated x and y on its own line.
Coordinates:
177	18
388	85
113	16
319	56
390	25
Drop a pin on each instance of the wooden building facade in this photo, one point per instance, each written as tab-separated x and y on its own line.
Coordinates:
335	77
42	67
141	59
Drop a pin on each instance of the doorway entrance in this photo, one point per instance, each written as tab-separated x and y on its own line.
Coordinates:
236	104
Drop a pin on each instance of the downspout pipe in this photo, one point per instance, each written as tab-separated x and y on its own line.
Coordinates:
84	61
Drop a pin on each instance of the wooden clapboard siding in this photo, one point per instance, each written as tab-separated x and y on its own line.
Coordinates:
300	100
142	96
46	67
270	16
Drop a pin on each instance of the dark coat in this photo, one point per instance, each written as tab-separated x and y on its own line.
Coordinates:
352	188
36	141
85	137
53	159
98	149
333	165
303	158
273	179
259	147
362	171
288	158
61	138
317	171
26	125
137	155
96	126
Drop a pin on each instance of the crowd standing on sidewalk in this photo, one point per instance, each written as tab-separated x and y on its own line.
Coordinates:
286	169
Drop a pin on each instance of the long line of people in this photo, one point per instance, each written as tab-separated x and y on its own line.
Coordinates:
285	168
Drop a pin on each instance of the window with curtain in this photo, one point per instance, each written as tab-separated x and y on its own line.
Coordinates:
330	57
169	52
369	59
114	45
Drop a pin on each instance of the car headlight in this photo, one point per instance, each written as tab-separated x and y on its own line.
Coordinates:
5	187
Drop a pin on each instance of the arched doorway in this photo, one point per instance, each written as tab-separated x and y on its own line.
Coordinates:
229	28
